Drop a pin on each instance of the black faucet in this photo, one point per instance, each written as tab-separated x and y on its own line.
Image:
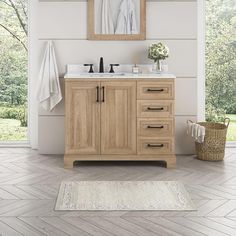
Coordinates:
112	68
101	65
90	67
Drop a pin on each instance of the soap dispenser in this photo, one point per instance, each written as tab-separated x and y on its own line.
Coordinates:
135	69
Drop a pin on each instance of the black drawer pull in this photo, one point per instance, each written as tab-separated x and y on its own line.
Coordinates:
155	127
155	90
97	94
103	94
155	108
155	145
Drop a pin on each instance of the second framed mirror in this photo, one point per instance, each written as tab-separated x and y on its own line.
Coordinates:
116	19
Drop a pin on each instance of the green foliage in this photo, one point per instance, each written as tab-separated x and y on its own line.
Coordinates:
17	113
220	59
231	134
8	113
158	51
13	20
13	73
214	115
22	116
13	69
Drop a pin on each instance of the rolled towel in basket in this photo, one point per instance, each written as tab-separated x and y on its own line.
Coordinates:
196	131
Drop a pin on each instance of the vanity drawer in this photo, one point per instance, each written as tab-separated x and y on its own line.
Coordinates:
155	127
155	90
155	146
150	109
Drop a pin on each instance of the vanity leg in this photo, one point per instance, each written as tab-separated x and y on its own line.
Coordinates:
171	163
68	164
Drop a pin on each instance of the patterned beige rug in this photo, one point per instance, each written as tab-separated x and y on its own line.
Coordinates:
124	196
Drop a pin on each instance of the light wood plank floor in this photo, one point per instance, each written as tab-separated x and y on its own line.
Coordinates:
29	184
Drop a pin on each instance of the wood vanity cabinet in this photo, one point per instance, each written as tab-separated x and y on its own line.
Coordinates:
118	118
110	119
82	118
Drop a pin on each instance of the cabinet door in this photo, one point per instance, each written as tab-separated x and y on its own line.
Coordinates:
118	118
82	118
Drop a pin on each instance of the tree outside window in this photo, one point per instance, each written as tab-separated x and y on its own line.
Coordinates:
221	62
13	70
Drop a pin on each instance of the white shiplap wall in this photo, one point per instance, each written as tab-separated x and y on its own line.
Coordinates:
172	22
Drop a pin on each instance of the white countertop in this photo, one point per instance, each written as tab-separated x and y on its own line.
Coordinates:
118	76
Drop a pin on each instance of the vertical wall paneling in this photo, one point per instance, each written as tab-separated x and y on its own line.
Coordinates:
172	22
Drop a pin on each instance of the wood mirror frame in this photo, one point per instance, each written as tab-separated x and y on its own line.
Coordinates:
91	25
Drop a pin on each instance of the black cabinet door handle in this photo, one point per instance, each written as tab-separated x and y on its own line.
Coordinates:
155	145
98	96
155	127
103	94
155	108
155	90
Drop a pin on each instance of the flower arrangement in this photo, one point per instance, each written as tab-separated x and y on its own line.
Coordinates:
158	51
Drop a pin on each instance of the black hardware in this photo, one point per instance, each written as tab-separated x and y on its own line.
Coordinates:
112	68
91	67
155	90
155	108
101	65
97	94
103	94
155	145
155	127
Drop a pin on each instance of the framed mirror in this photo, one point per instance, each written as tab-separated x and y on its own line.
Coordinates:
116	19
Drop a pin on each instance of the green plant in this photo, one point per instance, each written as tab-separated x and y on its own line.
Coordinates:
215	115
9	113
158	51
220	58
22	116
13	69
16	113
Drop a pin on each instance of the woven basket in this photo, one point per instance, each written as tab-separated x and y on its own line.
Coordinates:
213	147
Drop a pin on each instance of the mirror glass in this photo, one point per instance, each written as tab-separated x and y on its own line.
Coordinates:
117	19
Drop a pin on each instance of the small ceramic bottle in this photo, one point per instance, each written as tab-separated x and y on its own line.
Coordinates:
135	69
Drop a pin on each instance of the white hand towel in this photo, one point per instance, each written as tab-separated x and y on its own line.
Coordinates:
189	127
126	21
201	135
49	91
107	21
193	129
196	131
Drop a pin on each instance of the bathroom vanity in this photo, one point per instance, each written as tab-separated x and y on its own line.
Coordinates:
120	117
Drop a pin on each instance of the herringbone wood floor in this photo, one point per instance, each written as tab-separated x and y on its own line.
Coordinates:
29	184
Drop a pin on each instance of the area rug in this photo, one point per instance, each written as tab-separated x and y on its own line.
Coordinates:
124	196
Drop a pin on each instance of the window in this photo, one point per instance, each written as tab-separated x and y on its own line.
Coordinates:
13	70
221	63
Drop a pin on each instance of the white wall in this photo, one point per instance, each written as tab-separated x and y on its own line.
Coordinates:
172	22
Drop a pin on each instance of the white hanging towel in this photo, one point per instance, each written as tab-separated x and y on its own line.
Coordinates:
107	20
196	131
126	21
49	91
